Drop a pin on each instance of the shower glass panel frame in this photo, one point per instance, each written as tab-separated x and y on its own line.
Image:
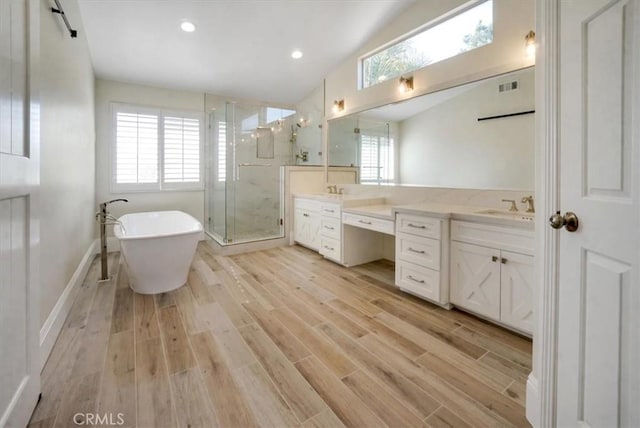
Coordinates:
245	193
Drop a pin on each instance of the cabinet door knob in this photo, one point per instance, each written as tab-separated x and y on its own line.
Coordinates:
494	258
306	215
503	261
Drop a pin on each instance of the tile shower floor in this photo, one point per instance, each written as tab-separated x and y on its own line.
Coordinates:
278	338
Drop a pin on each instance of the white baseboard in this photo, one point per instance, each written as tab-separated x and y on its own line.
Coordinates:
533	402
53	325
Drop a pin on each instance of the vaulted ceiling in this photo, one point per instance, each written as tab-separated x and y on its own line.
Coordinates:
241	48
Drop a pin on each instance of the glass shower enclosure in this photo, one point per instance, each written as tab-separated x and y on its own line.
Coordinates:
247	147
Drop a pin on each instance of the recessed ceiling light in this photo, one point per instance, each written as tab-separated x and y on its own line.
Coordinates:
297	54
188	27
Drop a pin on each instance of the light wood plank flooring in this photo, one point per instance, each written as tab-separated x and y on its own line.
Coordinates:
279	338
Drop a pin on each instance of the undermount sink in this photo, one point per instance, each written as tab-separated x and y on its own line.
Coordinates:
510	214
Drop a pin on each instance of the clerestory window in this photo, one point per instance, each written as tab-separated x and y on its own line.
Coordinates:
468	29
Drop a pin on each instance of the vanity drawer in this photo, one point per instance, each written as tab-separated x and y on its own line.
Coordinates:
416	249
330	210
418	225
330	227
418	280
367	222
306	204
330	248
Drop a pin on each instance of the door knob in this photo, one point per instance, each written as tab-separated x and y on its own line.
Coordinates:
569	221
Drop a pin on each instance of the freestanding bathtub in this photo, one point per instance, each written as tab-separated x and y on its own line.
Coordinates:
158	248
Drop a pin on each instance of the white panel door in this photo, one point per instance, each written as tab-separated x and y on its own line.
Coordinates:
19	179
516	290
598	329
475	279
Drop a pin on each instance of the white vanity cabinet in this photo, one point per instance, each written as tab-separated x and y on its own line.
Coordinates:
492	272
306	223
331	231
422	257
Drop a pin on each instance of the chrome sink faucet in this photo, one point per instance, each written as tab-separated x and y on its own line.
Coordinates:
529	201
513	208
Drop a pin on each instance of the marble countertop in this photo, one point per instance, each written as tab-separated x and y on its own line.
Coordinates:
377	208
469	213
344	200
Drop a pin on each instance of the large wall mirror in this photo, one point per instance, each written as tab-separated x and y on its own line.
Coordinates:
478	135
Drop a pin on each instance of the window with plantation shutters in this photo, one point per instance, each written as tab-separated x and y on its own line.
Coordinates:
222	151
376	159
181	150
136	148
368	158
156	150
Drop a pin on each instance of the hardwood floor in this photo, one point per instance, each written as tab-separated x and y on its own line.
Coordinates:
279	338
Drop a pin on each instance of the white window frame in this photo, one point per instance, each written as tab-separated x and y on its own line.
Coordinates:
160	185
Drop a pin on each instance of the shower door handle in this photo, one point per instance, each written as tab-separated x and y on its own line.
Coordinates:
266	165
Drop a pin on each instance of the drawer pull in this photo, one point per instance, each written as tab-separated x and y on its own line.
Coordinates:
329	211
416	251
503	261
330	228
416	226
328	248
306	215
419	281
364	222
494	258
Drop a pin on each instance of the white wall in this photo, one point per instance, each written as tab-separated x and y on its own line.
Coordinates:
107	91
512	21
446	146
67	189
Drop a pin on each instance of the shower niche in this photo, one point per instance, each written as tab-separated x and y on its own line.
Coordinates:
247	147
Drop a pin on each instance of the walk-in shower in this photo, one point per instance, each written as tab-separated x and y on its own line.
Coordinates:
247	147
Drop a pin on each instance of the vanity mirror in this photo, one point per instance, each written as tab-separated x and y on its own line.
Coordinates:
478	135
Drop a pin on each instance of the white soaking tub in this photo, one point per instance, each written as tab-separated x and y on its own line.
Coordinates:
158	248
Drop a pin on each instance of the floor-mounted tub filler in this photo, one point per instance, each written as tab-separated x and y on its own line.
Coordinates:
158	248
